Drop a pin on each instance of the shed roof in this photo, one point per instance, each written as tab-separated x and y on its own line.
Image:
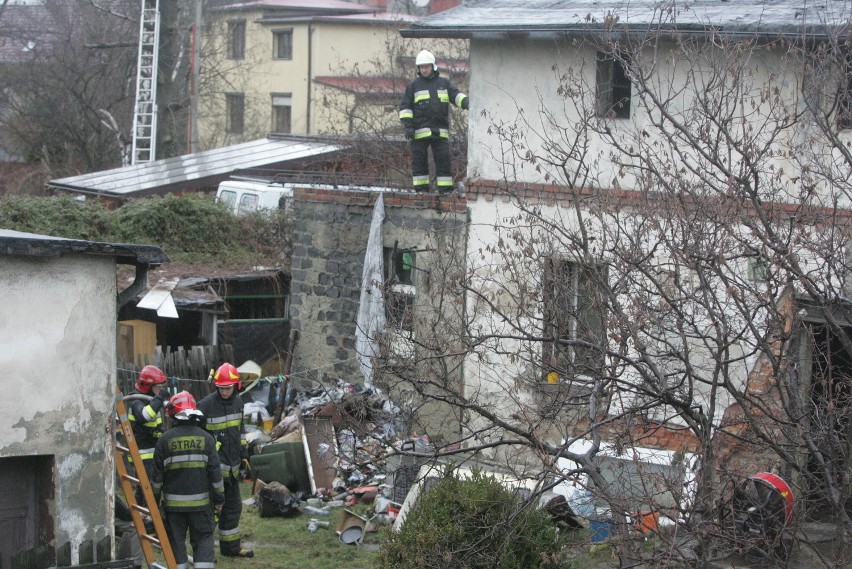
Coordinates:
192	170
495	18
18	243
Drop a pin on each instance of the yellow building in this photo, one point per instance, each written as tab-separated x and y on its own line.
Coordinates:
261	61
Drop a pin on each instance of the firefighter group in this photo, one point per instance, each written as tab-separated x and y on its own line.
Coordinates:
194	467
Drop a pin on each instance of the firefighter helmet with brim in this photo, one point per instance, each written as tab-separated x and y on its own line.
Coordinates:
148	377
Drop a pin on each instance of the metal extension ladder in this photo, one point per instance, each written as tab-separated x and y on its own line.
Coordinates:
145	113
122	452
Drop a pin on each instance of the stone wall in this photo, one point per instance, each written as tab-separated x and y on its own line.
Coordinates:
329	243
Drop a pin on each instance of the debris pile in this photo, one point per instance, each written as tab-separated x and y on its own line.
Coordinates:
336	445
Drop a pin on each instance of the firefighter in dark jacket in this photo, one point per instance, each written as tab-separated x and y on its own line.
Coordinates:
146	416
223	415
425	115
186	473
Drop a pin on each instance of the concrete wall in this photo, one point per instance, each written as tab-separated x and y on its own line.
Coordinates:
57	332
329	243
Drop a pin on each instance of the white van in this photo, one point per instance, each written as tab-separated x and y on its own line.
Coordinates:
244	196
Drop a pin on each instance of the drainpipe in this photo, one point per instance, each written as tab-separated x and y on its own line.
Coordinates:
310	77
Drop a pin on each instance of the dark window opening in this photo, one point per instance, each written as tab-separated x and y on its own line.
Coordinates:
844	95
281	112
829	414
235	104
236	39
400	291
573	323
613	88
282	44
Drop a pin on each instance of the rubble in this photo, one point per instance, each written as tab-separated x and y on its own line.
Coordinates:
354	446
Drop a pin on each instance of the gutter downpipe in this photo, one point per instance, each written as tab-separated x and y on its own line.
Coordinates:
310	78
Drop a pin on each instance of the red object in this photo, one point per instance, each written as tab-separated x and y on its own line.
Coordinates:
150	375
226	375
778	484
183	401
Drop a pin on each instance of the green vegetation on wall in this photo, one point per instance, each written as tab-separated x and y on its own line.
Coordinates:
192	229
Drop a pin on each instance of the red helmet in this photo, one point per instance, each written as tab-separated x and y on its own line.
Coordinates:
150	375
227	375
182	406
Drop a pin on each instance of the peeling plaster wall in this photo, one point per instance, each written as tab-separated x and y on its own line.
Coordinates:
57	332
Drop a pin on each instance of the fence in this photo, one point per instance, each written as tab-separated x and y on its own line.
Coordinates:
189	368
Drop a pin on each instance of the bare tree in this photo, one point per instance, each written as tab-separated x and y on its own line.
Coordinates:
674	286
74	66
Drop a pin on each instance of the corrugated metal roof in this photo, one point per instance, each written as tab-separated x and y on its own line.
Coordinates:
479	18
190	170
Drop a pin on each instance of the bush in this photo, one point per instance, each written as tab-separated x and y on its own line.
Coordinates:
57	217
472	523
192	229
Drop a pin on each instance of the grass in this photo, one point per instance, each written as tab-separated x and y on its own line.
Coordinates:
286	542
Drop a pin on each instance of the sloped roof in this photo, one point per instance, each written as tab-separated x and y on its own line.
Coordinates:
365	85
374	18
206	168
318	6
495	18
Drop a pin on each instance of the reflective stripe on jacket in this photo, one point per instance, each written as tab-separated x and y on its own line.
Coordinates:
425	106
224	421
186	469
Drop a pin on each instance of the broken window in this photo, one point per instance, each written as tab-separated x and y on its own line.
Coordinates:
573	323
613	87
236	39
400	267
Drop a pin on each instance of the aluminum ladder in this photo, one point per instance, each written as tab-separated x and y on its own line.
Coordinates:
145	111
131	450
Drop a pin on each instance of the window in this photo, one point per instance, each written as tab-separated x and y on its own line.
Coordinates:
282	44
229	198
236	39
613	88
235	106
400	267
844	95
573	318
248	204
282	105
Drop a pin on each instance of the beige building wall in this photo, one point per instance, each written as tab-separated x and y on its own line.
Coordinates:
324	46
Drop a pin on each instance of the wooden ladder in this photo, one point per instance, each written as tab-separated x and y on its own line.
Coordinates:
130	450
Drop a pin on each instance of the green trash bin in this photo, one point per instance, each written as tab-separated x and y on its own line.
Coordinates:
286	464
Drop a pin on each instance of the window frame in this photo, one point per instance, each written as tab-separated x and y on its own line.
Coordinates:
277	34
613	88
237	41
582	318
400	287
275	109
235	114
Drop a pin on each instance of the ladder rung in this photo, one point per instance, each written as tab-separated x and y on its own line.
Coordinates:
121	447
150	538
130	478
142	509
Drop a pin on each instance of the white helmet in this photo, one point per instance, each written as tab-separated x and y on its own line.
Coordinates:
426	57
